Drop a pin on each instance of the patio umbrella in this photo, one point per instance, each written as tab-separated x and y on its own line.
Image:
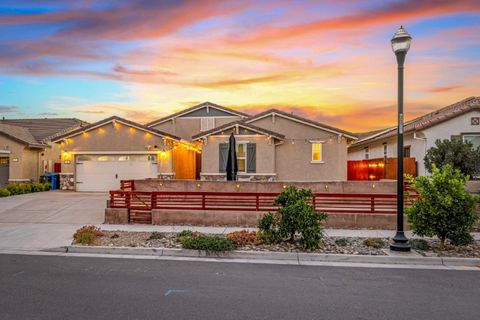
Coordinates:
232	165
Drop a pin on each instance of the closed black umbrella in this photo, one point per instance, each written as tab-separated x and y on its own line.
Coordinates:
232	165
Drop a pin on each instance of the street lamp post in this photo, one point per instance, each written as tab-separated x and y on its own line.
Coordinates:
400	44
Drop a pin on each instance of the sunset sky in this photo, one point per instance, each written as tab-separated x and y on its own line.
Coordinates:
327	60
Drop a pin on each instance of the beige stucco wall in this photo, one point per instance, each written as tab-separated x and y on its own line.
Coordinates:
293	160
185	128
265	158
118	138
27	166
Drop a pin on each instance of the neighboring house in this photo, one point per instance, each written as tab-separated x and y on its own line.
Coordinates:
460	120
26	150
96	157
277	146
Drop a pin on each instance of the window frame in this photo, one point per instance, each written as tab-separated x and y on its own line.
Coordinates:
470	135
244	157
319	143
366	153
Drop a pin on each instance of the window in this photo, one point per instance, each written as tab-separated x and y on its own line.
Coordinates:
207	123
316	152
242	157
366	152
385	150
406	152
473	138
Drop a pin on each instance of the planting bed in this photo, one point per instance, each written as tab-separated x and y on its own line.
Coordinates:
331	245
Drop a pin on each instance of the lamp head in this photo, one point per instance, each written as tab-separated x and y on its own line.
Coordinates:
401	41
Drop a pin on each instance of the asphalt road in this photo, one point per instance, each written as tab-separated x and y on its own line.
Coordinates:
49	287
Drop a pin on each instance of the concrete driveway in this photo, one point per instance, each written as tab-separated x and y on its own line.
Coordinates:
47	219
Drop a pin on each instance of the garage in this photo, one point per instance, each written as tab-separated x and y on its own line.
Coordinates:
104	172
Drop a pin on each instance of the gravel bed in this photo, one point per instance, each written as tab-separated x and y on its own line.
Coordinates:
350	245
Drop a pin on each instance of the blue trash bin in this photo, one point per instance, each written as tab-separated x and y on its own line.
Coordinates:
53	178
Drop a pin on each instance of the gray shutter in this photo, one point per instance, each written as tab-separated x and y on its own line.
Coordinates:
454	137
251	157
222	157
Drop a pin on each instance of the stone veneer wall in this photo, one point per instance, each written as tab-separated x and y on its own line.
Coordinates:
67	181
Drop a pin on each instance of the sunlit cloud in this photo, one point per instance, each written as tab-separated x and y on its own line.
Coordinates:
328	61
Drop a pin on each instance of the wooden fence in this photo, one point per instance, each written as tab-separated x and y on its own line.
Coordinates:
379	168
141	203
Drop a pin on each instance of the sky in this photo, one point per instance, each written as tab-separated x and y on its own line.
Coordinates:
329	61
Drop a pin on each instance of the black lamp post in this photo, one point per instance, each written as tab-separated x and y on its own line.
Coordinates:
400	44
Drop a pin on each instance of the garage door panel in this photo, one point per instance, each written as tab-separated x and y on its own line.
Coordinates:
106	175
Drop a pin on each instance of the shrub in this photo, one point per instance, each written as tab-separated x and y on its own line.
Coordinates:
295	215
342	242
376	243
37	187
26	187
185	233
457	153
4	193
207	243
418	244
444	208
156	235
462	239
87	234
47	186
85	238
243	237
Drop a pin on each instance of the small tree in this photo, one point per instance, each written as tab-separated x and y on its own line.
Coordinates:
295	215
457	153
444	207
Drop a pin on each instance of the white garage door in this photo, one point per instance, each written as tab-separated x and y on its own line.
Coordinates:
104	172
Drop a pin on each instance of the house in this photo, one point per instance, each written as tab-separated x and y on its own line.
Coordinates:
460	120
26	148
191	144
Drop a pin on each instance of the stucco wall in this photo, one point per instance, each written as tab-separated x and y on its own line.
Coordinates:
119	138
418	147
293	157
265	156
187	127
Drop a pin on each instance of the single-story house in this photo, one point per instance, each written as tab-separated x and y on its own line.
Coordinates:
26	148
460	120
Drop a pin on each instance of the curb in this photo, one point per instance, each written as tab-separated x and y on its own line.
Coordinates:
300	258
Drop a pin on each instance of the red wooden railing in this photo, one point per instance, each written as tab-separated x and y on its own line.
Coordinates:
140	203
127	185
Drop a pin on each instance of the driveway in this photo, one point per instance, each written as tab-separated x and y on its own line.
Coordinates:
47	219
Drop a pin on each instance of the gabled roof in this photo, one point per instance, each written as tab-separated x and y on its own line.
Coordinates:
44	129
240	124
303	120
112	120
21	134
426	121
197	107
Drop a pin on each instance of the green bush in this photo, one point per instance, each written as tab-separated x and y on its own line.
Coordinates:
461	239
207	243
13	189
185	233
156	235
4	192
26	187
296	214
418	244
376	243
342	242
23	188
459	154
444	208
37	187
85	238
